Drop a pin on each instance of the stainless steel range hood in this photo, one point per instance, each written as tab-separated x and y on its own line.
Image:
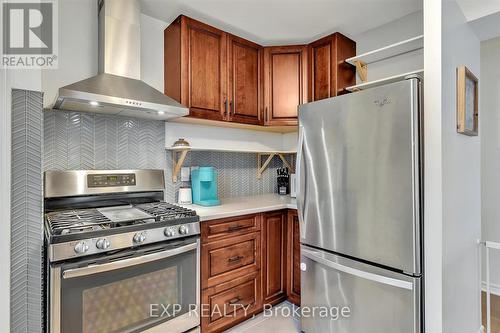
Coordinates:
117	89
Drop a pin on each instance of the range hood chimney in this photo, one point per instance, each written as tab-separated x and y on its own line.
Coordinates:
118	88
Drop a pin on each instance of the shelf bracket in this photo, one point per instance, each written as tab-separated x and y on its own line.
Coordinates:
178	157
286	163
261	167
362	70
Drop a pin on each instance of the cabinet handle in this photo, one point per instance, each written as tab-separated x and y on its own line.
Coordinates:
235	228
235	259
234	300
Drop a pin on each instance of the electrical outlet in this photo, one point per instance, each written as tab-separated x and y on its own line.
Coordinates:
185	174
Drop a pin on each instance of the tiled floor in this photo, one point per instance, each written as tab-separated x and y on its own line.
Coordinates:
279	323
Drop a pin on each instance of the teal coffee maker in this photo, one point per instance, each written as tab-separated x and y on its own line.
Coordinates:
204	186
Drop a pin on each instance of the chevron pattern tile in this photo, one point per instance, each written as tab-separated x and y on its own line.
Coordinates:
26	215
237	173
74	140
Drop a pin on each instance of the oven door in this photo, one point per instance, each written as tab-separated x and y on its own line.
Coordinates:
151	288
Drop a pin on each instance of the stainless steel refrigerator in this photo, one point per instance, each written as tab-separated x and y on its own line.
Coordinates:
360	210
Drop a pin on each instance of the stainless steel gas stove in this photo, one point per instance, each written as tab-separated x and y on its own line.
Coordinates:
119	259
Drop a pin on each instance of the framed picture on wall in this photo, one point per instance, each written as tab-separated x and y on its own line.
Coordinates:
467	102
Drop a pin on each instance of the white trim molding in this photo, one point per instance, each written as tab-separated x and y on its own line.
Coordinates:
494	288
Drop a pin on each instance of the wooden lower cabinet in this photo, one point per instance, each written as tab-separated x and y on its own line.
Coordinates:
274	256
227	259
246	262
230	227
231	302
293	258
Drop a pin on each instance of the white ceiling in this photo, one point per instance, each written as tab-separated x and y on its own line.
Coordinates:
483	17
285	21
475	9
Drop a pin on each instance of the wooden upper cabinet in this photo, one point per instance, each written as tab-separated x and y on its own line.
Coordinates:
195	66
222	77
285	75
329	74
245	74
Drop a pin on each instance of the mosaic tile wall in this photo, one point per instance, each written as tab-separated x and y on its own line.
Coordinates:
75	140
26	213
237	173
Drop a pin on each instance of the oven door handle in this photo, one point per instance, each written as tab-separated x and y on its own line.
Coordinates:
110	266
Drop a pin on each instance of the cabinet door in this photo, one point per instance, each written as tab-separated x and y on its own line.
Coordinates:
321	70
229	303
226	259
329	74
293	258
284	83
245	75
274	257
204	63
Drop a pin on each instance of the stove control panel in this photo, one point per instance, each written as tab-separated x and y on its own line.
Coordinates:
90	246
110	180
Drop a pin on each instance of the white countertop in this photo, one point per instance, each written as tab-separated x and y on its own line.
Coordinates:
244	205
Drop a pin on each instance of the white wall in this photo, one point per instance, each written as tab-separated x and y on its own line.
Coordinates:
77	47
433	241
152	51
452	176
490	150
461	182
404	28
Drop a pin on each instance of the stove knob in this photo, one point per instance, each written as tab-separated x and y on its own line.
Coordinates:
81	247
169	233
183	230
139	237
102	244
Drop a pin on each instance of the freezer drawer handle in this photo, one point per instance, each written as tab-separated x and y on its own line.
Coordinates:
356	272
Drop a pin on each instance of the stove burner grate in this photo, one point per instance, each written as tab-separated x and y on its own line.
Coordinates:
72	221
163	211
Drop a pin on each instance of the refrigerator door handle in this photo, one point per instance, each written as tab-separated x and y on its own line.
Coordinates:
315	256
300	197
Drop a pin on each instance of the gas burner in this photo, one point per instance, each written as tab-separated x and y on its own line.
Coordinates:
90	212
163	211
75	221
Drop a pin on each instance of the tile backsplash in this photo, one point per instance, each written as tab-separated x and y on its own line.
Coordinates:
237	173
74	140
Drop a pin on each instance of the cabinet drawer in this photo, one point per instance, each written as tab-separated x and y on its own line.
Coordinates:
229	303
229	227
229	258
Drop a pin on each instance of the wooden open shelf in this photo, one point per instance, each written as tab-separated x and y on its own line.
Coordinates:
362	61
386	52
228	124
179	155
391	79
